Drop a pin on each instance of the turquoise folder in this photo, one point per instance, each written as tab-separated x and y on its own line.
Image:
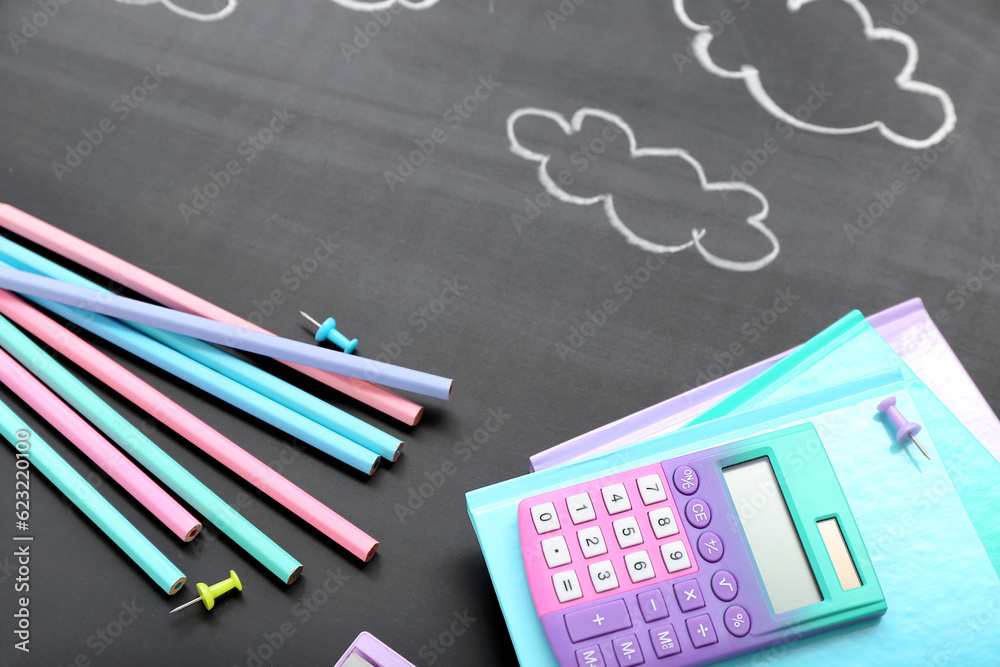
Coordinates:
927	525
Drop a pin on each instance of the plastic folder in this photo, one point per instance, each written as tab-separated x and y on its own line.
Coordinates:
908	329
935	568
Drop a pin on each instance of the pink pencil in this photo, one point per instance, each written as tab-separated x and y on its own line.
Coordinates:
190	427
99	450
146	283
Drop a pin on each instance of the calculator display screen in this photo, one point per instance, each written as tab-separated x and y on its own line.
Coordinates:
784	569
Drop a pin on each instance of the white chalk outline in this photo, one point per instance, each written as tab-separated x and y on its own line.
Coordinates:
904	79
379	5
186	13
570	127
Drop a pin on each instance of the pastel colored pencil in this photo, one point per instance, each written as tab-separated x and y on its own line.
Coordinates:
200	434
106	303
156	288
233	392
229	365
128	437
47	461
118	466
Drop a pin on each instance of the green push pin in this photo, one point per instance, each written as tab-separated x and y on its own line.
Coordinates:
207	594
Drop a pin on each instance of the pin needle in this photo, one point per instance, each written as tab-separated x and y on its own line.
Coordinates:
328	331
904	428
207	594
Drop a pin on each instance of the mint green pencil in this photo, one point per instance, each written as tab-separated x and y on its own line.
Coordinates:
45	460
141	448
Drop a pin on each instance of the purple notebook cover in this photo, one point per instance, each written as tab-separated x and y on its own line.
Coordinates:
907	327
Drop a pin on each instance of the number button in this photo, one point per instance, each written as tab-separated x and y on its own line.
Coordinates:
639	567
664	641
592	542
627	532
710	547
675	556
581	509
737	621
701	631
698	513
555	551
724	585
616	498
663	522
545	518
603	576
686	480
567	586
651	489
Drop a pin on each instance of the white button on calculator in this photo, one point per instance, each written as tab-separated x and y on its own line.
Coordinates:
675	556
603	576
651	489
616	498
592	542
567	586
627	532
545	518
663	522
555	551
639	566
580	508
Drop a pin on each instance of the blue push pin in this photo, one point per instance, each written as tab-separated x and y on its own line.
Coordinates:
328	331
904	429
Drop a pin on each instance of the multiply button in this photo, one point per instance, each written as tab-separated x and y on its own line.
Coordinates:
698	513
724	585
710	547
686	480
688	594
598	620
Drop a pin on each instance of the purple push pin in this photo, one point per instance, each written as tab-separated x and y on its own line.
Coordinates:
904	429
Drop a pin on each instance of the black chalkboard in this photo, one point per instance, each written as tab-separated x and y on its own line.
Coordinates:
316	156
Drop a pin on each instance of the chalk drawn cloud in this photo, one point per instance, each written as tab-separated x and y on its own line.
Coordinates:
224	11
904	80
607	199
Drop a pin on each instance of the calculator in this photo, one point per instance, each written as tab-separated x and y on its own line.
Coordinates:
698	558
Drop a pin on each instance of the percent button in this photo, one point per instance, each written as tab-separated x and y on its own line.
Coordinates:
737	621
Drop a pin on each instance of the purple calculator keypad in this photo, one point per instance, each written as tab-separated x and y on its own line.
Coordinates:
647	582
